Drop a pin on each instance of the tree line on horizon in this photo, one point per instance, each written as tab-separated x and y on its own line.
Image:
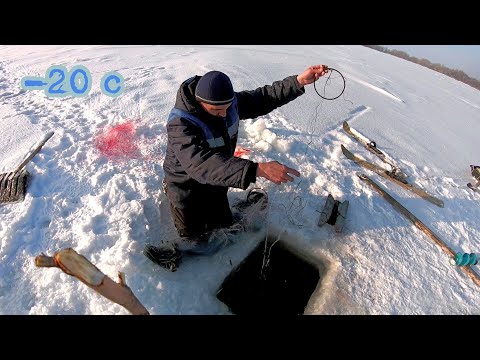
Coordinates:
453	73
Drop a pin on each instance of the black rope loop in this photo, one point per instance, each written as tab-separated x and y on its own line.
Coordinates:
330	74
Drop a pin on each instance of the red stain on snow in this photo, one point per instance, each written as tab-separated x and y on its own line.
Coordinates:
239	151
118	142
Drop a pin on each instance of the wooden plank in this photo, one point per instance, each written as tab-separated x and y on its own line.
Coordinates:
383	173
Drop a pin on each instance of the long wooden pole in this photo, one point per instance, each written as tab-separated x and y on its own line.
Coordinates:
472	274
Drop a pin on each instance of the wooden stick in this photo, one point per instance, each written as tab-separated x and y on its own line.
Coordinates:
78	266
472	274
37	149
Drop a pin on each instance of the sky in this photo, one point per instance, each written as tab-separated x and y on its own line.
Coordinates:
460	57
108	207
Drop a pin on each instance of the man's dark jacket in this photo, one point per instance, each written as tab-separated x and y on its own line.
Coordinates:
198	175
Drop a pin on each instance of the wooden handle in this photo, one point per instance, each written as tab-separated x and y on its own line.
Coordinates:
37	149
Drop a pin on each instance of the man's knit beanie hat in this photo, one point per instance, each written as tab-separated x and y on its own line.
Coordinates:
214	88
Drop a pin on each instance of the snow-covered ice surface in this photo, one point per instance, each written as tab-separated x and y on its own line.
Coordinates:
108	209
